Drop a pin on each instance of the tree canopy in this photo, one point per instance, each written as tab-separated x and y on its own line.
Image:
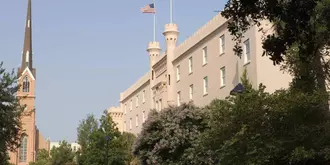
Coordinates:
62	155
10	113
105	142
169	136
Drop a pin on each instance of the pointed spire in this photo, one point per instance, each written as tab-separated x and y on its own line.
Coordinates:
27	49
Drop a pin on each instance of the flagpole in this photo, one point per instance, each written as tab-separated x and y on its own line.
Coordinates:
154	20
171	11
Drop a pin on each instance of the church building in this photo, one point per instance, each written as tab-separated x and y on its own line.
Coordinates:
31	140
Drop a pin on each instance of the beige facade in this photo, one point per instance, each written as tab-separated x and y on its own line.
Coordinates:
116	114
32	140
198	70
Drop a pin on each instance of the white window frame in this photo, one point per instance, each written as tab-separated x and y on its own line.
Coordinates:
205	85
125	108
178	73
131	105
130	124
178	98
222	76
205	56
143	116
190	64
222	45
247	51
144	96
191	91
137	101
136	120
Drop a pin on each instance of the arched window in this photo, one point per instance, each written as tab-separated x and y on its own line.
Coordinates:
23	149
26	84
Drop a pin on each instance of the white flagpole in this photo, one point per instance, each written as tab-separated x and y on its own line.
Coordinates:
155	21
171	11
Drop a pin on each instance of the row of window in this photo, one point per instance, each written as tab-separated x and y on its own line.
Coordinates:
205	85
136	121
136	102
246	56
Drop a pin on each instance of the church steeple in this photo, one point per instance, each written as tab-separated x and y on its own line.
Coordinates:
27	59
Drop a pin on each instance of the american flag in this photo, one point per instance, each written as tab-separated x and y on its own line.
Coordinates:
149	9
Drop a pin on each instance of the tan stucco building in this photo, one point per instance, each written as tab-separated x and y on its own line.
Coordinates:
200	69
32	140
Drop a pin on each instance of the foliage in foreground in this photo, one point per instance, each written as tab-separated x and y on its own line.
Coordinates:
284	128
93	136
10	113
62	155
168	137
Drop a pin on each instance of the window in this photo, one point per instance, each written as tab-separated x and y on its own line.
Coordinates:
204	55
190	65
125	125
137	120
191	91
160	104
156	105
144	96
169	79
131	106
125	109
23	149
26	84
152	75
137	101
247	56
178	97
222	44
143	116
222	76
178	73
130	124
205	85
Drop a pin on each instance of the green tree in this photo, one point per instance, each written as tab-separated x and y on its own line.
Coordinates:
300	38
168	137
106	140
10	113
284	128
62	155
85	129
127	140
43	158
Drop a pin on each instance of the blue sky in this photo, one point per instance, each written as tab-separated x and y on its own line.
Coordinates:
80	51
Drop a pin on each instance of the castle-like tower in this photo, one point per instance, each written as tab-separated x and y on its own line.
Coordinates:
31	140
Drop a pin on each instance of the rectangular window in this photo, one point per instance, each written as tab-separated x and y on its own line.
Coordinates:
125	125
144	96
222	44
190	65
143	116
222	76
178	73
204	55
160	104
130	124
137	101
205	85
131	106
125	109
247	56
156	105
137	120
178	98
191	91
